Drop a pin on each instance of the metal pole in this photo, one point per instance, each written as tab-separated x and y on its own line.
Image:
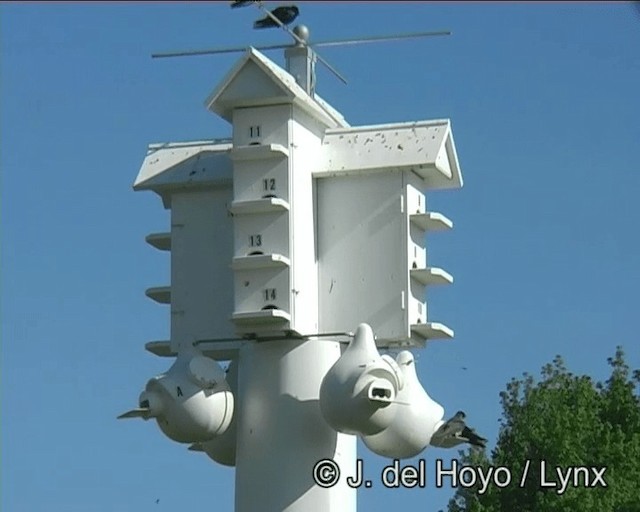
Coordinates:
281	432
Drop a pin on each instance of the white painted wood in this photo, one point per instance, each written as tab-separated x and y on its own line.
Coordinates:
256	81
424	147
362	254
416	199
306	137
161	241
416	305
161	294
262	179
432	221
373	262
268	317
266	205
267	233
273	141
433	331
260	262
287	234
262	287
431	275
257	149
160	348
417	251
183	164
262	251
217	350
201	252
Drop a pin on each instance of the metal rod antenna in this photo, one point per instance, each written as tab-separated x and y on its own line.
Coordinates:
376	39
191	53
339	42
330	68
300	41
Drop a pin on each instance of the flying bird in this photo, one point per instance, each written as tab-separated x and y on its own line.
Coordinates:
240	3
285	14
454	432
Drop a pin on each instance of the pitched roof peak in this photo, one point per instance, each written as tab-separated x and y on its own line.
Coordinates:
255	81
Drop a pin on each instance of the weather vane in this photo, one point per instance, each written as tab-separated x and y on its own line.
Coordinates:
282	16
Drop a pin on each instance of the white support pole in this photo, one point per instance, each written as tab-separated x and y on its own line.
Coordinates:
281	431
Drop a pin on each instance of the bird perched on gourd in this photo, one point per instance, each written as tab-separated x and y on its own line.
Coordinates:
454	431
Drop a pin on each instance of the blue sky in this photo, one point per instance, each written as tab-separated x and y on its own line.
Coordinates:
546	117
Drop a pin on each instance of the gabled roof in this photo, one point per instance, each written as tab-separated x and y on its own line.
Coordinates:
423	147
257	81
179	164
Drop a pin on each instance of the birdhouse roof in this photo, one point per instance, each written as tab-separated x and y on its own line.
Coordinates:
257	81
168	166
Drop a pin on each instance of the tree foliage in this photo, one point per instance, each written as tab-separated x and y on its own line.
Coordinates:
566	421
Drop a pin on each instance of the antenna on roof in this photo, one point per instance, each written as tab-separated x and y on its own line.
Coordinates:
301	56
301	36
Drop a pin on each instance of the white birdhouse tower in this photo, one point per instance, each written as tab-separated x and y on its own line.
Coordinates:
300	224
277	141
297	227
372	221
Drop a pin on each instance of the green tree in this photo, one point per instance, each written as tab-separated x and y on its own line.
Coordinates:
566	421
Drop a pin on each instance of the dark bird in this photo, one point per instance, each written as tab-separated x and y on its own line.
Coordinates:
285	14
454	432
240	3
